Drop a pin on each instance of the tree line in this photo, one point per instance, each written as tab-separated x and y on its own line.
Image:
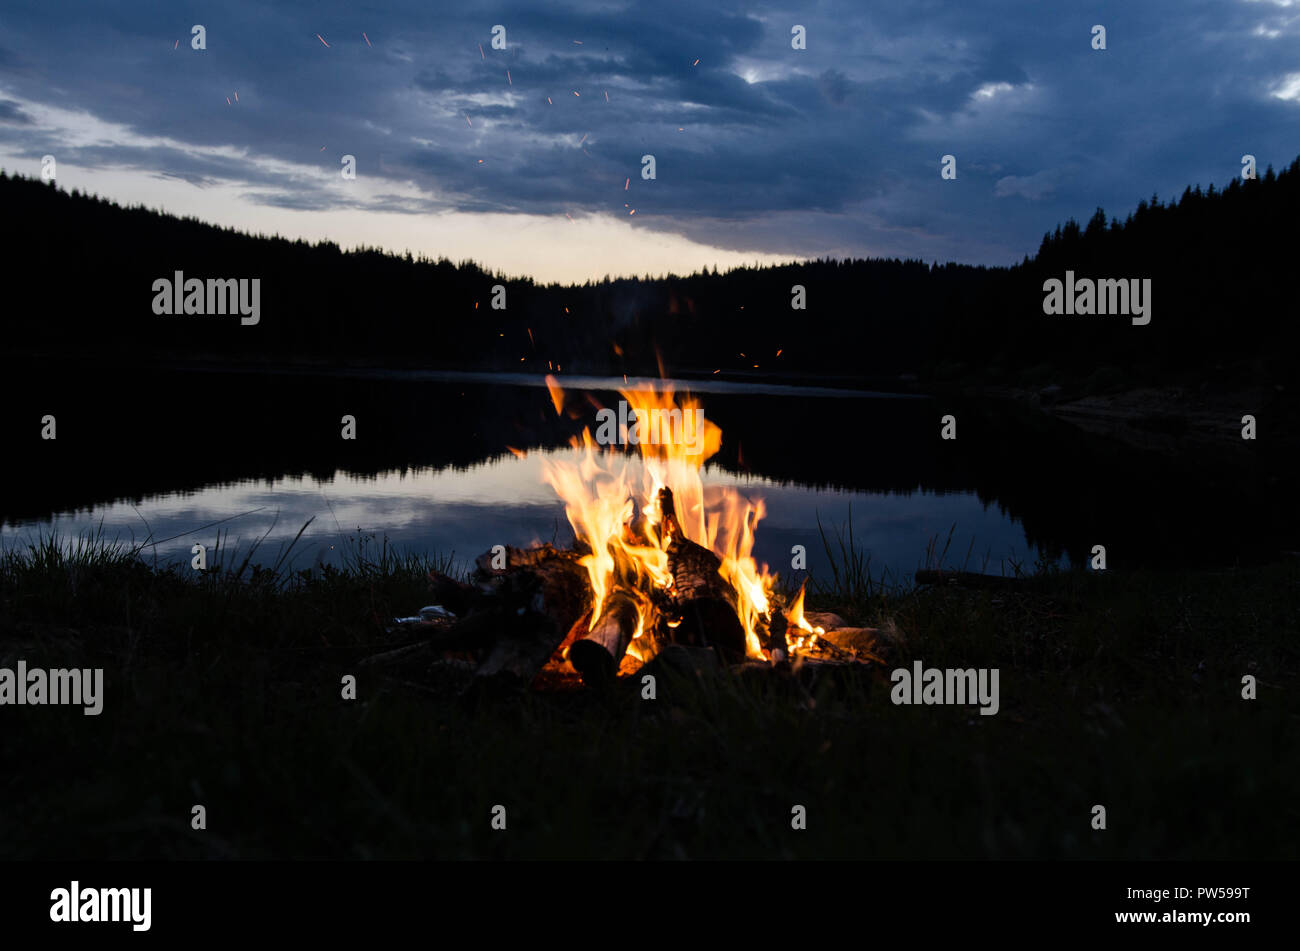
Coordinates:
1219	261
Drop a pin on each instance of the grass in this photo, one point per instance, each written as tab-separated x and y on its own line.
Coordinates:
223	688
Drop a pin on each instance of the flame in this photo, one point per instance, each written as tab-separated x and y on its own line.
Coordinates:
612	500
797	623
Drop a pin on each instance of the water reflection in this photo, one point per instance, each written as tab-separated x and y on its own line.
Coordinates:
431	470
504	501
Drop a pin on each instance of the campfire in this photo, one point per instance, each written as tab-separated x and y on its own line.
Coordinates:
661	563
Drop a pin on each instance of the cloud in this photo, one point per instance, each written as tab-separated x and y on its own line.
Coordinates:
829	150
1035	187
1288	88
11	113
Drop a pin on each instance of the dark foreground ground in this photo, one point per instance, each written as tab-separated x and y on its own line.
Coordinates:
1122	690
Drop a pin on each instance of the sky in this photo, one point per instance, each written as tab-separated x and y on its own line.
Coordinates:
529	159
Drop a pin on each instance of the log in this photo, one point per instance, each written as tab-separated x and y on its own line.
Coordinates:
826	620
521	651
522	558
556	595
597	655
680	659
703	600
523	612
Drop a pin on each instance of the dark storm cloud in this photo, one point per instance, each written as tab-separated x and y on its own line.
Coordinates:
11	112
830	150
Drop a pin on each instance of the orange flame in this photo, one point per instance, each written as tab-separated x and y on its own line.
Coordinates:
612	498
798	623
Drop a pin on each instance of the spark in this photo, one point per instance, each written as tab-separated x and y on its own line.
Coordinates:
575	92
570	217
566	310
579	42
530	337
778	353
366	38
680	129
176	44
508	79
227	100
584	138
718	370
236	95
322	39
607	95
480	161
627	183
696	63
548	101
322	148
467	122
632	212
480	51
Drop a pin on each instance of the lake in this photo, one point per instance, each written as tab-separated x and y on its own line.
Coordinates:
180	457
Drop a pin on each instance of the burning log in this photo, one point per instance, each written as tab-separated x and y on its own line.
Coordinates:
775	639
703	600
597	655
